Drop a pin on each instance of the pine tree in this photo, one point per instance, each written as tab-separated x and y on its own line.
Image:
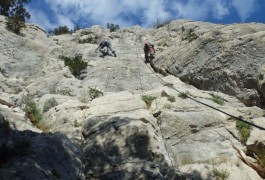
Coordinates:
16	14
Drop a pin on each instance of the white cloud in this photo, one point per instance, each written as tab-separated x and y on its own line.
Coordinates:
220	10
65	21
40	18
104	11
244	8
200	10
155	10
142	12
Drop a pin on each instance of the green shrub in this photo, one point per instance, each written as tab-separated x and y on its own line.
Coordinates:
240	125
112	27
90	40
15	24
76	124
31	110
184	95
61	30
76	64
218	99
220	174
50	103
171	98
86	32
148	100
168	106
189	35
160	23
94	93
76	28
244	134
66	91
16	14
244	131
10	7
261	77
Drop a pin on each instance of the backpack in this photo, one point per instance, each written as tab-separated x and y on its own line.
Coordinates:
152	48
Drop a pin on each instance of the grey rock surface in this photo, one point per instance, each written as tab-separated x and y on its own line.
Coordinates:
225	58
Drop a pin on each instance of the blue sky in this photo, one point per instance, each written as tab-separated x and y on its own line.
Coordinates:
50	14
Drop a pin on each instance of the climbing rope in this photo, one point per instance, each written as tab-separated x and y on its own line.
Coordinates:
237	118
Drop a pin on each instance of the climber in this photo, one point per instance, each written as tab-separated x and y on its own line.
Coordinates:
152	51
104	44
149	52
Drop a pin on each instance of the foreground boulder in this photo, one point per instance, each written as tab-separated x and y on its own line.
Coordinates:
125	143
31	155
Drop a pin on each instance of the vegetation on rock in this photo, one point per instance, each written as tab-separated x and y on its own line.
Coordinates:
112	27
218	99
76	64
61	30
94	93
148	99
261	77
16	14
50	103
189	35
171	98
244	130
183	95
31	110
160	23
89	39
220	174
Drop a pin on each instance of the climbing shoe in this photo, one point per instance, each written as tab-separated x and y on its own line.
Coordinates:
114	53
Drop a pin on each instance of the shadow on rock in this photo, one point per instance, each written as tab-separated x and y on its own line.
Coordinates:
196	175
30	155
119	148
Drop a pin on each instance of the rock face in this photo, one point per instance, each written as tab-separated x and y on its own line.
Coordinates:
225	58
120	119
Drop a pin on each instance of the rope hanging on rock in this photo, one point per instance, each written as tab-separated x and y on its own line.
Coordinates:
238	118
